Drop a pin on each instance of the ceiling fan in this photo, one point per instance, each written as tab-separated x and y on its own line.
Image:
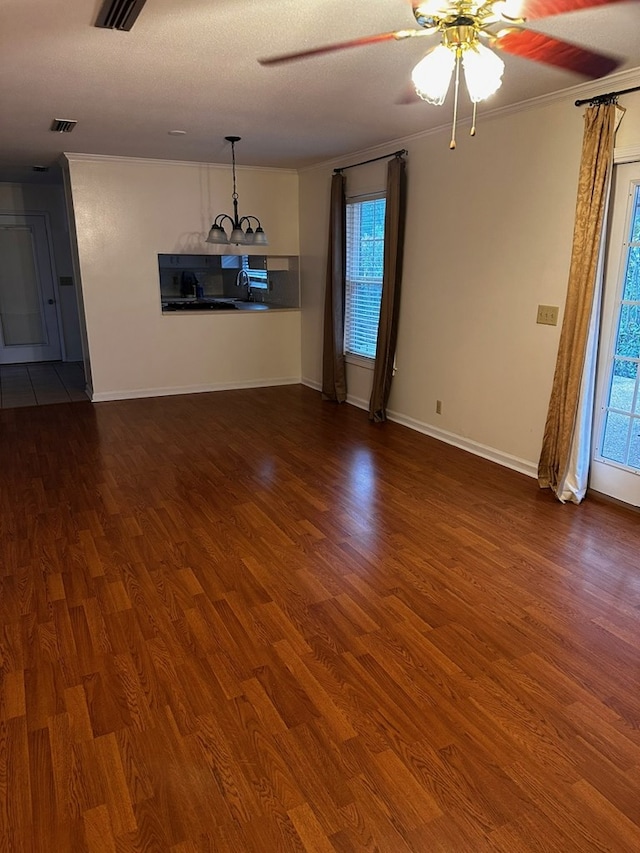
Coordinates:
463	27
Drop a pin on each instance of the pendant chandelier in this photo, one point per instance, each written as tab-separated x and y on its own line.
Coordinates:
242	234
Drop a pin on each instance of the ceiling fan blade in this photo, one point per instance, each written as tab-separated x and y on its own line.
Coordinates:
533	9
561	54
330	48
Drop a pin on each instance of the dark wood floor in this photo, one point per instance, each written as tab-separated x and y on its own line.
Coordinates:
251	621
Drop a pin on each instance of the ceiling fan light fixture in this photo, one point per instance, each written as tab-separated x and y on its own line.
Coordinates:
432	75
461	25
483	71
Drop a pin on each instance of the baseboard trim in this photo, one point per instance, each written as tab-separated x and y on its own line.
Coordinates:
523	466
353	401
358	402
609	499
311	383
136	393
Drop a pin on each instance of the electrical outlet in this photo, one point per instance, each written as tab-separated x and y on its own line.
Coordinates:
547	315
438	407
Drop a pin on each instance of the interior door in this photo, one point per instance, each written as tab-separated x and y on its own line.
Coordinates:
616	464
29	328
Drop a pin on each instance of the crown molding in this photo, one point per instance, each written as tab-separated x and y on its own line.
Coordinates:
593	88
77	157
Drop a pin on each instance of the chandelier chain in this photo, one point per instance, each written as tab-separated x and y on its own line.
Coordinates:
233	162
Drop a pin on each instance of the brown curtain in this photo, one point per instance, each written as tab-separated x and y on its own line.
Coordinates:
334	383
593	189
394	227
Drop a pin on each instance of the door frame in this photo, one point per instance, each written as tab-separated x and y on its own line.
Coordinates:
602	471
46	222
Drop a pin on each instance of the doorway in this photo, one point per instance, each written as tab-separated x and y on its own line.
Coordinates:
29	322
616	460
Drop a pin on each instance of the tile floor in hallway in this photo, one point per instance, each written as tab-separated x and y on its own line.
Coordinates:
41	383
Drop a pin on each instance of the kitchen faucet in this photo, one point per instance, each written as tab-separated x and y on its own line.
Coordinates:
243	279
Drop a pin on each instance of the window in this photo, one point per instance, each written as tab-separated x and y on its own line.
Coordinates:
258	278
363	285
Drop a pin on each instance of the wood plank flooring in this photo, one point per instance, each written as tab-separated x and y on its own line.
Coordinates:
251	621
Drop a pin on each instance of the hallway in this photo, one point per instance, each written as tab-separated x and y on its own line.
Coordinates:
41	383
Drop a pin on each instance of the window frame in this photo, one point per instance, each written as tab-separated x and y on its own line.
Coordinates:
359	359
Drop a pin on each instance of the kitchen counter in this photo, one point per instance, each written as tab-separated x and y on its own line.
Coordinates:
206	304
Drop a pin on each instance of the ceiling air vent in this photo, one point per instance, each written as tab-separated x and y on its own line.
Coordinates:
119	14
63	125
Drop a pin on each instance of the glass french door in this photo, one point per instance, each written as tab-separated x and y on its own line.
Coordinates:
616	463
28	313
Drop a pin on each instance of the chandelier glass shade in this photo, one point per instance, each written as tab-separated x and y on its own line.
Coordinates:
242	232
432	75
483	71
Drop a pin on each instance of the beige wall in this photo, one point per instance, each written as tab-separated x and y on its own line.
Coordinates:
489	229
488	239
628	134
127	212
49	199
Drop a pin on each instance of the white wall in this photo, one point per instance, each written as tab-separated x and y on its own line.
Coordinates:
49	199
489	232
128	211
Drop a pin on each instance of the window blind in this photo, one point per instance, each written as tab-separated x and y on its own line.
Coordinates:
363	284
259	278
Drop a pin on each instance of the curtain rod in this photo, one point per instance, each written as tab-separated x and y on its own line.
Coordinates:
602	99
373	160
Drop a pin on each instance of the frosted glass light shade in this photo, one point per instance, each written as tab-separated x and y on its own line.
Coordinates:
217	236
482	71
432	75
237	237
510	9
260	238
432	7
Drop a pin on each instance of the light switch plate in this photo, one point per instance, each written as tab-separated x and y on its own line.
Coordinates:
548	315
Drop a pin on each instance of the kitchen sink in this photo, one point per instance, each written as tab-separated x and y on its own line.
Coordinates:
211	304
251	306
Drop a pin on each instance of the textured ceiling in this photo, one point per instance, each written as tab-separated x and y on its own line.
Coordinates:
192	65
